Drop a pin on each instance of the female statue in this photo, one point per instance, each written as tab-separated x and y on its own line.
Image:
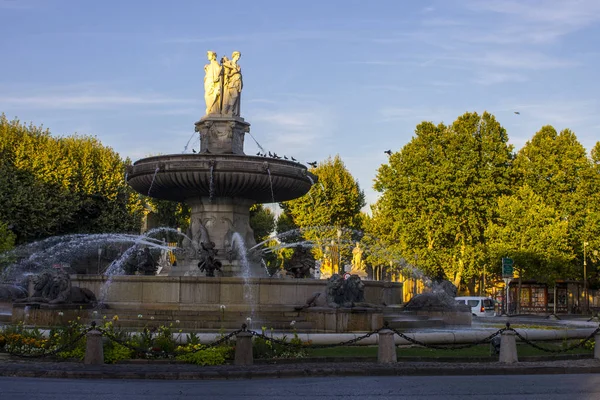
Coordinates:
212	84
232	85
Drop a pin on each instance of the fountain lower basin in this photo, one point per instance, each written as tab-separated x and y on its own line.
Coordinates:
209	304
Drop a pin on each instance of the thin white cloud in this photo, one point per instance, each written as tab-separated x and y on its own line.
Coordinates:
291	132
493	78
388	88
561	113
531	22
439	21
523	60
416	115
280	36
575	13
16	5
260	101
579	115
287	120
76	101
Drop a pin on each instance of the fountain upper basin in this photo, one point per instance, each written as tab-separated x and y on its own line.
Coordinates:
184	176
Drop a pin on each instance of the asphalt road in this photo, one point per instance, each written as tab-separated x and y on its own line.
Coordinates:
521	387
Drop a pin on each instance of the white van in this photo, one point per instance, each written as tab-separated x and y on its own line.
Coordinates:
480	306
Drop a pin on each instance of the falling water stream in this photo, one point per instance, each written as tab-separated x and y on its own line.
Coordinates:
153	178
271	183
240	246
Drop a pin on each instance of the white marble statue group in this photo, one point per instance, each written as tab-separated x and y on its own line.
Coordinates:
223	84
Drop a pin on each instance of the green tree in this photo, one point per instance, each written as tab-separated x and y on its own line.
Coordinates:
334	201
532	234
53	186
7	238
170	214
439	194
262	222
557	168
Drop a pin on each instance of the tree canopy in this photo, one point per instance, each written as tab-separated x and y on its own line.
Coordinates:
556	168
52	186
439	194
334	201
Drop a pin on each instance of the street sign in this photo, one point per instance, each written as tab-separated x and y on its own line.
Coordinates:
507	267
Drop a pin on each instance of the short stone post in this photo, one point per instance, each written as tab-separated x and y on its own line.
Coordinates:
243	348
94	352
597	346
508	347
386	350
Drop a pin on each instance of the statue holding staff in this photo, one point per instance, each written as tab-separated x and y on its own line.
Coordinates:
212	84
232	84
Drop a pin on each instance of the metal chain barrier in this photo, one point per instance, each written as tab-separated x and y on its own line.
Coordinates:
64	347
217	342
547	350
448	347
315	346
220	340
285	343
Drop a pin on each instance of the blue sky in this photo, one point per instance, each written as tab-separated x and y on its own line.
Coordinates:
321	78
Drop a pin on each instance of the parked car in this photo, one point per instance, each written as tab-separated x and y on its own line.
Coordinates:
480	306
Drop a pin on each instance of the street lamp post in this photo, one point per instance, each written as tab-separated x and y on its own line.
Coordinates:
585	286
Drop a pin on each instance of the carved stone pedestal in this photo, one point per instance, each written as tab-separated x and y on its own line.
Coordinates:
217	221
222	134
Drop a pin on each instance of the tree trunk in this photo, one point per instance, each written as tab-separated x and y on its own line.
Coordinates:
518	308
471	286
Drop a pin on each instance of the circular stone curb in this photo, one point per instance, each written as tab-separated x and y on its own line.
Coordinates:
193	372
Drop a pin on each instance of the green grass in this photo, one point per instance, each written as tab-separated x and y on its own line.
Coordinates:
482	350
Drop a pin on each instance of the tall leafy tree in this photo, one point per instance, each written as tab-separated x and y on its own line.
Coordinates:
7	238
262	222
53	186
334	201
556	167
439	194
532	233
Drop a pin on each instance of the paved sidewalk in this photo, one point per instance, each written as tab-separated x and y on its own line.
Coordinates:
174	371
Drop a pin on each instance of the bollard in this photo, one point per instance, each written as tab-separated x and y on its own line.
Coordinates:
386	350
243	349
597	346
94	352
508	347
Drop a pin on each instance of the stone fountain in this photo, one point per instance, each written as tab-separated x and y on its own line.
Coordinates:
218	283
221	182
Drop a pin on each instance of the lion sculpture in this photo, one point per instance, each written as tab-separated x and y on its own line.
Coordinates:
54	287
340	292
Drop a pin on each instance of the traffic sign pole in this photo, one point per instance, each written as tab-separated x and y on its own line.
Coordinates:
507	276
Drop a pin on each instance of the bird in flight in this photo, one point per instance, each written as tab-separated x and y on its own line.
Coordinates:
312	164
518	113
388	152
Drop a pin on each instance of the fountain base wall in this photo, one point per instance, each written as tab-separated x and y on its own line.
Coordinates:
196	302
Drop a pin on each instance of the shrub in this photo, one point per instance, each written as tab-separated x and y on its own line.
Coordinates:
206	356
